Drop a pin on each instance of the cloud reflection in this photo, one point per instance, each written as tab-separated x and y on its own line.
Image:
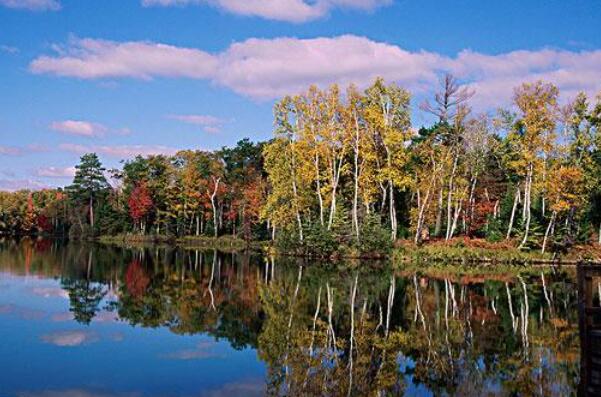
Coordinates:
248	388
202	351
74	393
70	338
22	312
50	292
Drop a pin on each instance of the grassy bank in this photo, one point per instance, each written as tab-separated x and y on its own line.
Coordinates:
222	243
480	273
467	251
457	251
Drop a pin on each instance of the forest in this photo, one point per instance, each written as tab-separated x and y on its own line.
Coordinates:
346	168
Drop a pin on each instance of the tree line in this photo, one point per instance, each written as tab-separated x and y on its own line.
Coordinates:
346	167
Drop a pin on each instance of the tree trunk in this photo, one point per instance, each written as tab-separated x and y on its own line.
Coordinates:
527	204
296	210
294	187
213	195
390	303
336	178
551	222
513	209
356	180
471	203
450	198
92	212
438	227
393	222
318	188
455	218
420	219
352	337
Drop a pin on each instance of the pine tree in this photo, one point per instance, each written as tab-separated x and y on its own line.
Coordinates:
89	183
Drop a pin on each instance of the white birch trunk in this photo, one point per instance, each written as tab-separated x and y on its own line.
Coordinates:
527	204
547	232
516	200
216	182
450	198
318	182
356	179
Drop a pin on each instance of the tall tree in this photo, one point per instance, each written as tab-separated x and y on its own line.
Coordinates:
388	118
534	131
89	182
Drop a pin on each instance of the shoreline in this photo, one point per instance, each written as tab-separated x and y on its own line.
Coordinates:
456	252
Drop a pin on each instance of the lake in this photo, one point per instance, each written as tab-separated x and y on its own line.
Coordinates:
100	321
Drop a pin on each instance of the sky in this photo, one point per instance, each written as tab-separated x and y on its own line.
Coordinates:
127	77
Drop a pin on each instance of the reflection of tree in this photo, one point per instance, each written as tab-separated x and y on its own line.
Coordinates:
315	349
84	296
204	293
330	331
136	279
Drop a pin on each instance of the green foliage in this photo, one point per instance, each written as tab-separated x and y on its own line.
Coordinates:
535	235
374	237
80	231
319	241
89	181
493	230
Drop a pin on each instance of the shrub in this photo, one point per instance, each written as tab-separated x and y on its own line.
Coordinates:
287	240
80	232
493	230
374	238
319	241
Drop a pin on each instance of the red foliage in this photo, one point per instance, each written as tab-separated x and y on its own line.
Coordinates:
43	223
482	211
139	202
136	279
43	245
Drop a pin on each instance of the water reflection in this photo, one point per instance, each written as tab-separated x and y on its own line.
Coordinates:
317	329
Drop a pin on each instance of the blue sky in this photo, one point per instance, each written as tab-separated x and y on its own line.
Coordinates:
126	76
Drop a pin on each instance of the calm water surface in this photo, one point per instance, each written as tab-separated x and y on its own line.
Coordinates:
94	321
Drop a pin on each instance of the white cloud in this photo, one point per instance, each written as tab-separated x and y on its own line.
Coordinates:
55	172
8	49
79	128
12	185
494	76
69	338
22	150
120	151
32	5
208	123
280	10
91	59
85	128
269	68
10	150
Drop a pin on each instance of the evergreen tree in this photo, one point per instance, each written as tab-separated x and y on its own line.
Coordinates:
89	183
